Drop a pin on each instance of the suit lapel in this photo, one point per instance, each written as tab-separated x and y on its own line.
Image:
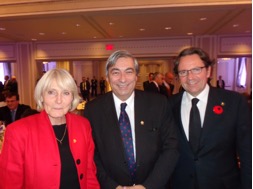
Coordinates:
211	119
112	127
177	113
140	110
110	112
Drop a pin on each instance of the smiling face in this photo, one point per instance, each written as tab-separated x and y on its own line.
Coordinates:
193	83
57	102
122	78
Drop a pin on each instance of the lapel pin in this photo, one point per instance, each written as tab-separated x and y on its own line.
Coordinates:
142	122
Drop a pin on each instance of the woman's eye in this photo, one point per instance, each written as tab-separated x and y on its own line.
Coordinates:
66	93
51	92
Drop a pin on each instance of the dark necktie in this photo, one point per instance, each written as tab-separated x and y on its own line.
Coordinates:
13	115
126	135
194	126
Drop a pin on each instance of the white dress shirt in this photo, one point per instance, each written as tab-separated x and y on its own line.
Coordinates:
130	112
186	108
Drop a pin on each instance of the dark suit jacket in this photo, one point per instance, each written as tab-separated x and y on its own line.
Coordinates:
223	84
152	88
223	136
145	85
5	113
156	141
87	87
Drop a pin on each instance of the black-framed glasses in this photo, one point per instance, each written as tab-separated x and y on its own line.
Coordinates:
194	71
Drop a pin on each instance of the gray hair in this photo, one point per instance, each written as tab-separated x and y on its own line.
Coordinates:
64	80
120	54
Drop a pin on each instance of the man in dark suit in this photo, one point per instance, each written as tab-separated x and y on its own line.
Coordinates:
156	83
168	83
85	89
209	154
220	83
152	130
13	110
94	84
150	79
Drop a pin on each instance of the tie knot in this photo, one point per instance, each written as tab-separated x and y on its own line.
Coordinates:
195	101
123	106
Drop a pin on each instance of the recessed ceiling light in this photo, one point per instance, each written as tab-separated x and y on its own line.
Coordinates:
77	25
247	31
2	29
235	25
33	39
203	19
111	23
168	28
95	37
63	33
41	33
189	33
142	29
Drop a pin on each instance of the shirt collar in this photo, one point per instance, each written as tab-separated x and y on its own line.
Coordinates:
202	96
129	101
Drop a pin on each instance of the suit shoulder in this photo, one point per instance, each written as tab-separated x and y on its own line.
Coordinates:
149	96
24	106
98	101
226	93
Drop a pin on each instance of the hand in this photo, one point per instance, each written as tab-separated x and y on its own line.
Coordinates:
135	187
131	187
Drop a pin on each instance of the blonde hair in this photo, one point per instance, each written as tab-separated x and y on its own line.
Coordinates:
64	80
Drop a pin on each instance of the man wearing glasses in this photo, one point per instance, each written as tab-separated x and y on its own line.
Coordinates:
13	110
214	129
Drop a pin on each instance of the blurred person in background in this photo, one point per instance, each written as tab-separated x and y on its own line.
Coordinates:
13	109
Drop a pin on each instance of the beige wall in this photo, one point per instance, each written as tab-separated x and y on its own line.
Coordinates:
82	59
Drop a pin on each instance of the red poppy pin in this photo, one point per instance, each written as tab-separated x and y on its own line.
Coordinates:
218	109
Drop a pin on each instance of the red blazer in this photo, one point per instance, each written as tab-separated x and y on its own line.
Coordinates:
30	157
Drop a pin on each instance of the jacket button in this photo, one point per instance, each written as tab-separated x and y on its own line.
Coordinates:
81	176
78	161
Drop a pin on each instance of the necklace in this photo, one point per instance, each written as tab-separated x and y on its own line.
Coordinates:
60	141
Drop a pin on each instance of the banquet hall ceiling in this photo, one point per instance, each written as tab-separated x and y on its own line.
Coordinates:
126	23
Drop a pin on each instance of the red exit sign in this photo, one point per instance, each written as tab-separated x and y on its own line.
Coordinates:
109	47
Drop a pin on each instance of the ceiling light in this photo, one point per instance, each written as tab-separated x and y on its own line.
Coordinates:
235	25
203	19
94	37
168	28
33	39
189	33
77	25
2	29
111	23
142	29
63	33
41	33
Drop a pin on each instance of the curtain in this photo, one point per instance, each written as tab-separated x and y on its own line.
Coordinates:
242	73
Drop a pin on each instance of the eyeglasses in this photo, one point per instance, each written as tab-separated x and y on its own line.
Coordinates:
194	71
